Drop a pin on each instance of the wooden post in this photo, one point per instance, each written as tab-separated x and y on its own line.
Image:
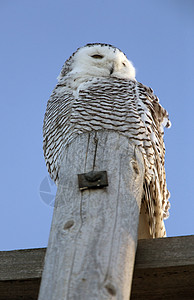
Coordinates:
93	238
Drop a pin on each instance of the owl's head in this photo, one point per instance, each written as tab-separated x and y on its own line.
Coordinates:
98	60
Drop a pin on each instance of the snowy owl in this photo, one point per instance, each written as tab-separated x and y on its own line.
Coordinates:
99	80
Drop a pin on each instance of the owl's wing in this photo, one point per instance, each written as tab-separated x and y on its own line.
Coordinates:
156	195
56	127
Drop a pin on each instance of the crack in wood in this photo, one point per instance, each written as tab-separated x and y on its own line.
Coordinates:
95	151
115	222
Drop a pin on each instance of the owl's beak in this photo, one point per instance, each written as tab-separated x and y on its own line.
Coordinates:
112	69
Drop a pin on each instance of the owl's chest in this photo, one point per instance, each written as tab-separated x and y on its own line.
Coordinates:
104	107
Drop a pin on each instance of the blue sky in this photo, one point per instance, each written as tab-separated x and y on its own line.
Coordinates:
37	36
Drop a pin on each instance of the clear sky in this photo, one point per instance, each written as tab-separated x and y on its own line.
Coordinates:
37	36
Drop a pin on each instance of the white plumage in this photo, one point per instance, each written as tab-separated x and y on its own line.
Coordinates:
97	90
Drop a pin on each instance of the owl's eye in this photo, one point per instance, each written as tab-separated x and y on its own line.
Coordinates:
97	56
124	64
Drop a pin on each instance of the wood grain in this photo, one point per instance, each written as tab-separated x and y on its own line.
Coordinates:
164	269
94	257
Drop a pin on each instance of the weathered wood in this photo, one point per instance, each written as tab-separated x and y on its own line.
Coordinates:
93	237
20	289
165	252
164	269
20	273
21	264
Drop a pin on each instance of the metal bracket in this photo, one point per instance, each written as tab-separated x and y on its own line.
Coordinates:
93	179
